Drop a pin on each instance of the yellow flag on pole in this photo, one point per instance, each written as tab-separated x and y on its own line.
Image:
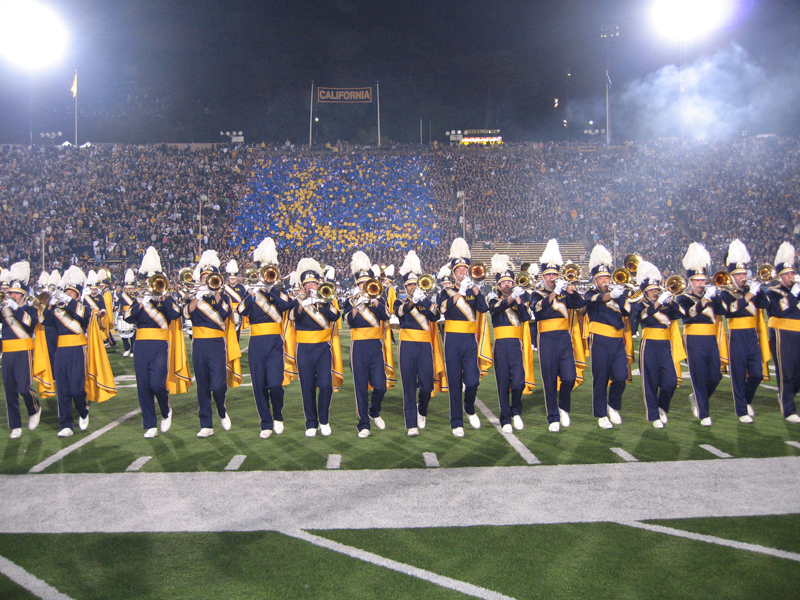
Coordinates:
74	88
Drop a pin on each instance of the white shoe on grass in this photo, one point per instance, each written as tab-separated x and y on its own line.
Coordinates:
516	421
613	416
554	427
604	423
151	433
205	432
563	417
166	422
458	432
16	433
33	422
474	420
325	429
66	432
277	426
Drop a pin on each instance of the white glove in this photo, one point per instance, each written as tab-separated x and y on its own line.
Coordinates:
711	291
307	302
11	304
199	295
54	299
147	298
561	285
616	291
796	289
64	297
754	287
664	297
491	296
313	293
466	284
517	292
418	296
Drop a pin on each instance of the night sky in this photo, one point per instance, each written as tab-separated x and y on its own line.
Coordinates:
181	71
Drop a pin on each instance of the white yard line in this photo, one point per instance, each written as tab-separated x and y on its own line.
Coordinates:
82	442
431	460
236	462
512	439
334	461
795	444
624	455
375	559
715	451
138	464
714	540
34	585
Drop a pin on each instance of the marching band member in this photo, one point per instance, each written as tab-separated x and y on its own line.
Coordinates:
463	307
208	311
509	314
236	292
103	282
703	329
127	331
265	306
50	333
656	314
368	319
96	303
749	346
606	307
152	315
317	337
19	321
70	317
784	323
551	304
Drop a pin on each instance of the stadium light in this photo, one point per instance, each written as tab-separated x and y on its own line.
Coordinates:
31	35
687	20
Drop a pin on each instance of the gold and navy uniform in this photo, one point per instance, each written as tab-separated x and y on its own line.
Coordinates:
18	328
127	331
366	356
237	293
71	321
510	324
265	309
151	360
784	324
554	343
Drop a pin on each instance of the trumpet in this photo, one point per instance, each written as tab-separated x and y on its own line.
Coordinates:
426	283
214	282
157	284
675	285
478	271
572	272
374	288
186	278
722	280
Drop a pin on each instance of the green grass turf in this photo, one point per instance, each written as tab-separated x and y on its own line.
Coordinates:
584	442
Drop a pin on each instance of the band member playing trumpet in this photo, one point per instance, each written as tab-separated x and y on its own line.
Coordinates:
96	303
152	315
366	314
236	292
784	323
606	307
656	313
748	339
208	311
462	306
551	304
509	316
703	329
265	306
19	321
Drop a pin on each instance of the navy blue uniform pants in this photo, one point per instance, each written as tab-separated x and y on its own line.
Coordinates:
17	382
366	364
659	379
745	367
266	372
461	365
416	373
314	367
785	347
557	360
209	359
509	373
704	368
151	364
609	364
69	373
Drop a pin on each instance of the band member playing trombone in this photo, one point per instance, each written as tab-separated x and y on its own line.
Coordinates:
366	314
462	307
236	292
509	315
208	311
551	304
749	346
784	323
703	329
265	305
606	307
152	315
19	321
656	313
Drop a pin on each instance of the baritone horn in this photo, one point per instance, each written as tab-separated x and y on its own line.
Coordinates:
722	279
326	291
186	278
631	263
426	283
766	273
622	276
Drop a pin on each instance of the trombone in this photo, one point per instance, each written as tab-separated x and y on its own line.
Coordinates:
524	280
571	272
426	283
675	285
478	271
157	284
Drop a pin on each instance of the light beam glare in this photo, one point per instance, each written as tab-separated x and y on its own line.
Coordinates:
687	20
31	35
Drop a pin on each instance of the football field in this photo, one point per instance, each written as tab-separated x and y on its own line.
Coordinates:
632	512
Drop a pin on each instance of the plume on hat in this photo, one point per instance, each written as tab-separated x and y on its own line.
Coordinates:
376	270
330	273
500	263
209	259
232	268
600	256
294	279
102	274
5	275
307	264
647	271
196	273
552	254
151	262
91	278
737	253
130	277
786	254
73	276
54	279
389	271
21	271
43	279
266	254
444	272
696	258
459	249
411	264
360	262
533	269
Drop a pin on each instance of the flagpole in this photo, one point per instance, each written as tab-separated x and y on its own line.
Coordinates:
378	89
75	96
311	115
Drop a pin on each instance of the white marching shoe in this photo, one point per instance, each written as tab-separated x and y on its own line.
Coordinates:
151	433
793	418
613	416
226	422
421	421
16	433
325	429
379	422
604	423
658	424
507	428
662	416
458	432
265	433
33	422
66	432
750	410
278	427
205	432
746	419
166	422
311	432
474	421
563	417
516	420
126	353
83	423
554	427
364	433
413	432
706	422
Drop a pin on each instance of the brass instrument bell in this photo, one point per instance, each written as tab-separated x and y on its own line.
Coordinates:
478	271
372	288
426	282
157	284
572	272
675	285
523	280
326	291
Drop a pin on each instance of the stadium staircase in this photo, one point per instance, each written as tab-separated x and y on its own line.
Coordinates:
572	251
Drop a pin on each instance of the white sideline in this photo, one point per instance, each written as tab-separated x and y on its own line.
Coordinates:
711	539
528	456
34	585
92	436
375	559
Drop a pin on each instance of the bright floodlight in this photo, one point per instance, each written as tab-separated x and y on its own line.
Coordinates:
31	35
686	20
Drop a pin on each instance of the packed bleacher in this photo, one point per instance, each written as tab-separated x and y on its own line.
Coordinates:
104	205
